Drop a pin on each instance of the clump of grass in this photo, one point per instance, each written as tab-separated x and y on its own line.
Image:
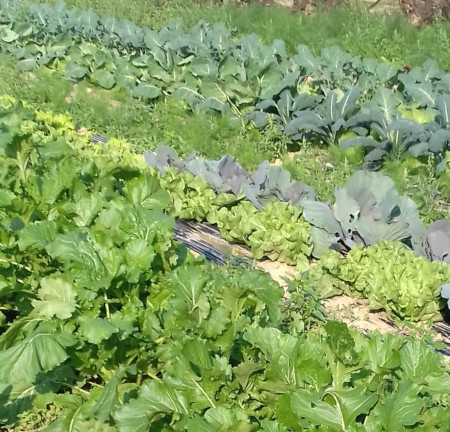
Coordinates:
417	179
317	167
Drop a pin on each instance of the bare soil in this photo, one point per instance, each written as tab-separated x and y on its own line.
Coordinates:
355	312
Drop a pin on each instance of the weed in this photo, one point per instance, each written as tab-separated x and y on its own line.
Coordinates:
417	179
317	168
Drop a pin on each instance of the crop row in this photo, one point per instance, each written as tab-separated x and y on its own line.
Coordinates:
332	98
106	323
281	220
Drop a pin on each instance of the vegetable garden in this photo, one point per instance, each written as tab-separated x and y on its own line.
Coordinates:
108	323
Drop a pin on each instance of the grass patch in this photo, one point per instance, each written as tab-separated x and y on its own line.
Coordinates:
320	169
114	113
391	39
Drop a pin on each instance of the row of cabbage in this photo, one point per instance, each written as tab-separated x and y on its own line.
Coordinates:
281	219
332	98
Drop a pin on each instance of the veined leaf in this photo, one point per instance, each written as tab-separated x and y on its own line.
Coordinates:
109	398
341	415
146	91
422	93
40	352
57	298
443	105
154	397
189	284
96	330
218	418
401	408
27	64
75	70
105	79
146	191
75	417
9	35
418	361
38	235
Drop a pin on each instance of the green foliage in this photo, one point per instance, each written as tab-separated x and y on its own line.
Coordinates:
368	209
327	169
418	180
324	169
227	175
391	278
115	113
332	98
278	232
111	326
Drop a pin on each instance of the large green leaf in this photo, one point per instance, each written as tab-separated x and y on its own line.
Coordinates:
146	91
340	414
443	105
146	191
9	35
418	361
188	284
105	78
383	354
27	64
154	397
42	351
76	247
38	235
386	101
107	403
203	67
75	70
75	417
220	418
281	351
96	330
401	408
321	216
57	298
423	93
316	411
126	76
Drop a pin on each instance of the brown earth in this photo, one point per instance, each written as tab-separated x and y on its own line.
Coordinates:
422	12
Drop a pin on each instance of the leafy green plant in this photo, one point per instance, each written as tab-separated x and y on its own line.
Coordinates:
227	176
389	38
368	209
392	278
278	232
437	241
